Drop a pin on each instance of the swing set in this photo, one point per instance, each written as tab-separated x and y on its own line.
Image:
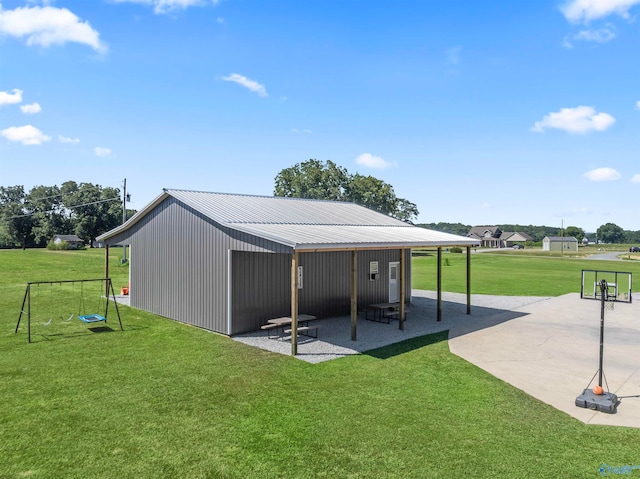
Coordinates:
53	303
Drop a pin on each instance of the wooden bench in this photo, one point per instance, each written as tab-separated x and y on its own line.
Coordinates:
372	314
383	312
269	327
395	314
303	331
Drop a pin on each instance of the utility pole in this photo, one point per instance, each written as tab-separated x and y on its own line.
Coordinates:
125	198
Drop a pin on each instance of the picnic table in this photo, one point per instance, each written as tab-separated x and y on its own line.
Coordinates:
279	324
382	312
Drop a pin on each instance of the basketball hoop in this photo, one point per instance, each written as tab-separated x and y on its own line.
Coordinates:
609	304
607	299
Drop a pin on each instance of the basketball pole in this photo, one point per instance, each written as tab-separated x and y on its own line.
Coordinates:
597	398
604	295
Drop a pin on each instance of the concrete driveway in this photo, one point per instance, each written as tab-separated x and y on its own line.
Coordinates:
551	351
610	256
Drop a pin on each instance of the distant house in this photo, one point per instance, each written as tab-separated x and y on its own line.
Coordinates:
559	243
73	241
494	237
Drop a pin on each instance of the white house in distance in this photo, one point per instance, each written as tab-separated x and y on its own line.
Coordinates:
494	237
74	241
559	243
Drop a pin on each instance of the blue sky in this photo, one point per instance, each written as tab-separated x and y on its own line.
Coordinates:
480	112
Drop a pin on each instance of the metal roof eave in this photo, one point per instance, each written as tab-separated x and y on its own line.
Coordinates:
309	247
317	247
267	236
134	219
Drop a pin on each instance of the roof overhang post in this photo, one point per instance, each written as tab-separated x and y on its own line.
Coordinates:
468	279
439	285
402	289
294	302
354	293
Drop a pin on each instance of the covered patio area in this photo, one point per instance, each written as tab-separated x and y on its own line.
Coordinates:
429	313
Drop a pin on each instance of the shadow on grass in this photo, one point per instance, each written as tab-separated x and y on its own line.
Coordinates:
38	337
396	349
422	253
101	329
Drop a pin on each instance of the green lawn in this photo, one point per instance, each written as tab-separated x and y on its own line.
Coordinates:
516	274
164	400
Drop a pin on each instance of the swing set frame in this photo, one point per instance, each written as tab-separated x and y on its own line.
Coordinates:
109	293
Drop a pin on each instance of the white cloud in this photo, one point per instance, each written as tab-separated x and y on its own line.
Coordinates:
252	85
7	98
101	151
30	109
46	26
583	11
635	179
64	139
166	6
296	130
603	174
638	105
581	119
27	135
371	161
602	35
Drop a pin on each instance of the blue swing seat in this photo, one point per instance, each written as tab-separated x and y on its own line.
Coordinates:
92	318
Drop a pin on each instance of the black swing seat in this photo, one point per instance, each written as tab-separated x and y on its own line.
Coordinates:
92	318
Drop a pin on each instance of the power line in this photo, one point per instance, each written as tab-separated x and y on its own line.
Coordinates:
67	207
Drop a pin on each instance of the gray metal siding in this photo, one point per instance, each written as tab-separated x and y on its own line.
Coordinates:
377	291
179	269
261	289
179	264
261	285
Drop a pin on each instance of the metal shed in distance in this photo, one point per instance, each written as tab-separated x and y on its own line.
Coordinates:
228	263
559	243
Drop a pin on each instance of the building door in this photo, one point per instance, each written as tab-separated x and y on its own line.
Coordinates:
394	284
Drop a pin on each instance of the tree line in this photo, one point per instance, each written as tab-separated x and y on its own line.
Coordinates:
318	180
607	233
33	218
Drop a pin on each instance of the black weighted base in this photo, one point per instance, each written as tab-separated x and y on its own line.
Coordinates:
607	402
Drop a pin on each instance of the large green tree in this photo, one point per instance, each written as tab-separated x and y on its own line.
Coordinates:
32	219
48	214
94	209
17	222
327	181
577	233
610	233
312	179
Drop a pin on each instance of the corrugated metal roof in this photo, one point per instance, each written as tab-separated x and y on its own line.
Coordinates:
304	237
228	208
566	239
304	224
